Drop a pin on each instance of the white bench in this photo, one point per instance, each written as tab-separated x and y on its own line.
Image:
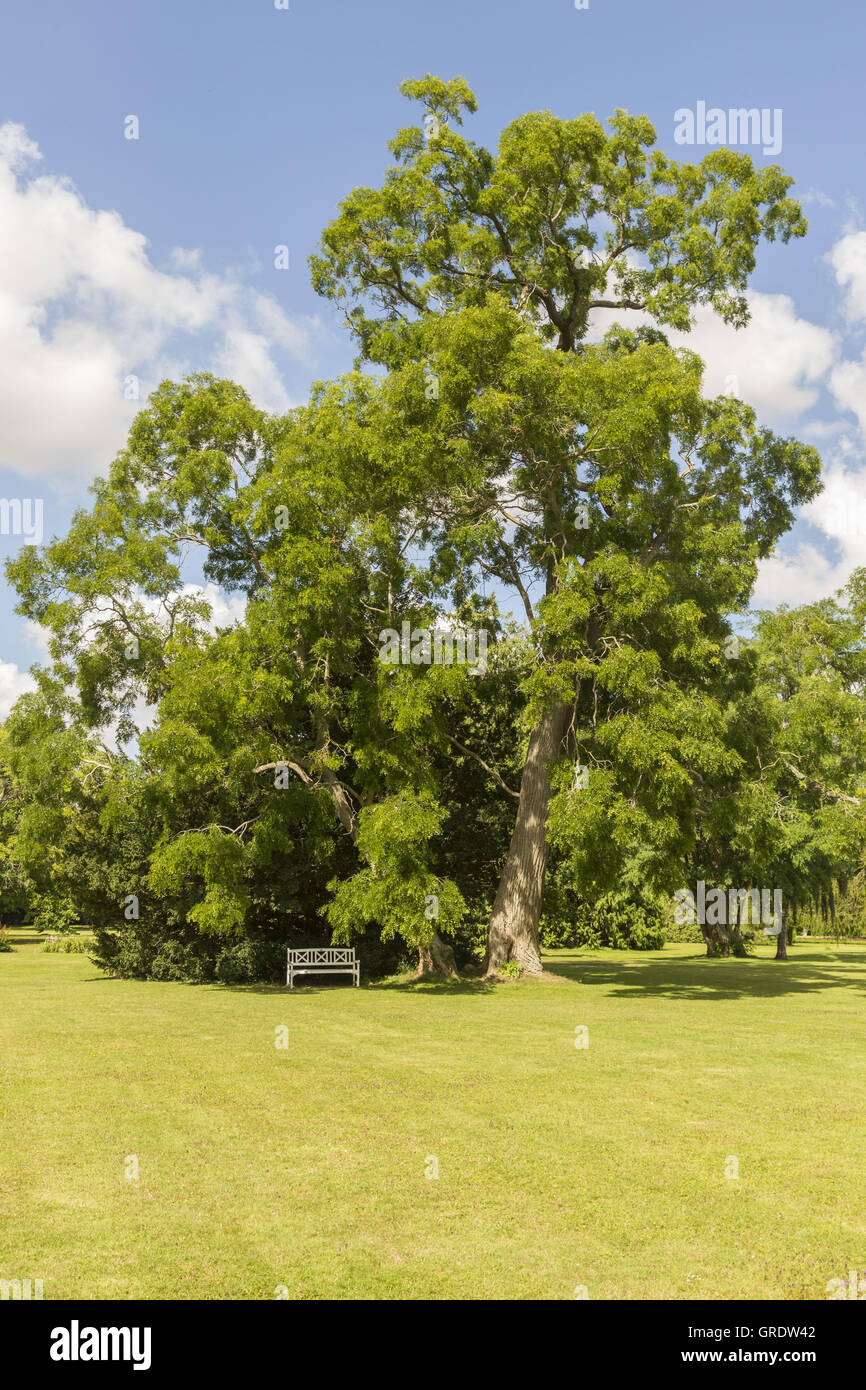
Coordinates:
326	960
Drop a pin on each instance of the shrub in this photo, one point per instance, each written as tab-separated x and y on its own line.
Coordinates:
5	943
512	970
619	923
74	945
683	931
172	951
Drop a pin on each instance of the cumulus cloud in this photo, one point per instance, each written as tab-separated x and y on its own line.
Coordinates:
13	683
783	364
848	260
83	308
778	362
815	568
225	609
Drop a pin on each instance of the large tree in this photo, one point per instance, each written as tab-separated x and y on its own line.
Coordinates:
568	489
620	512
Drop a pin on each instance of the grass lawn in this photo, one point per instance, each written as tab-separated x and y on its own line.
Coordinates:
558	1167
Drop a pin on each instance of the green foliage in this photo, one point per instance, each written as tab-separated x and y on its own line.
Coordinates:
681	931
613	921
793	815
53	914
74	945
5	943
397	891
512	970
187	956
837	910
563	217
291	784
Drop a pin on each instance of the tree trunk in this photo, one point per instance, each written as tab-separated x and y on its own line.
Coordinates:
437	959
513	930
718	939
738	945
782	938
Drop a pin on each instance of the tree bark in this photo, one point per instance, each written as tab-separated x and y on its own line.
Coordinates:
437	959
513	930
738	945
782	939
718	939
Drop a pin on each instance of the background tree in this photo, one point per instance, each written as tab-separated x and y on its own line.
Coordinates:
810	680
787	815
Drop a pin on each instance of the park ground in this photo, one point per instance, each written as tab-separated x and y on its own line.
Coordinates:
305	1170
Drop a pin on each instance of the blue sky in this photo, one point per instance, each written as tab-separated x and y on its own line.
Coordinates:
154	256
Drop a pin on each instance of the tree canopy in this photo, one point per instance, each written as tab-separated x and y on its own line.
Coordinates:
497	464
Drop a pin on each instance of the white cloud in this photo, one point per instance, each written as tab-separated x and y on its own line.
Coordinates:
802	576
822	429
848	378
816	195
225	609
186	258
16	148
848	384
82	307
13	683
245	357
848	259
810	570
777	363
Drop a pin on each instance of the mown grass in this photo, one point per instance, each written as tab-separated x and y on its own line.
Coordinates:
304	1168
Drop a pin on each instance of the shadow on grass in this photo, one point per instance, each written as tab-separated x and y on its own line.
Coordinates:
401	984
683	977
699	977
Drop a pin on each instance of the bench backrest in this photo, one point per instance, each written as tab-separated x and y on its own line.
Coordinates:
326	955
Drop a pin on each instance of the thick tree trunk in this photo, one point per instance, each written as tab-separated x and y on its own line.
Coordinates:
718	939
782	939
437	959
513	930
